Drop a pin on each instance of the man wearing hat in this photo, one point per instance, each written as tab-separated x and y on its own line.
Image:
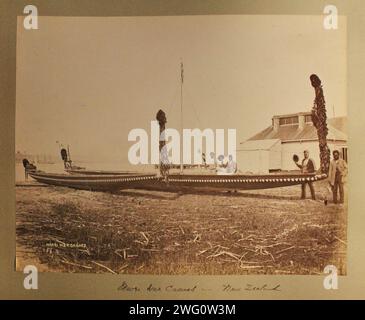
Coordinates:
336	175
307	166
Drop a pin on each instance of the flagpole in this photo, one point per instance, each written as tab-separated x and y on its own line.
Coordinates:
181	113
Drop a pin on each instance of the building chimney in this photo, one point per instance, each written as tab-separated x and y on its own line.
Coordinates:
301	121
275	123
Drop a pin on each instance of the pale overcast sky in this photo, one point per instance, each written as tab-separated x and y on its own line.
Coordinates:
88	81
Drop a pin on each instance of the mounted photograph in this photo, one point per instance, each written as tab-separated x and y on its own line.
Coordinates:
182	145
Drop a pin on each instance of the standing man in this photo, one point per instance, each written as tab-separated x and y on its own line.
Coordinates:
213	161
204	160
232	165
307	166
222	165
337	175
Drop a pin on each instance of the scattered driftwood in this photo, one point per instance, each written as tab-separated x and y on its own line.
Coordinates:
144	236
286	249
197	237
125	254
140	267
123	267
104	267
230	254
75	264
344	242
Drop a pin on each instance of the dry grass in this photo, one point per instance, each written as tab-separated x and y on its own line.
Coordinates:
145	232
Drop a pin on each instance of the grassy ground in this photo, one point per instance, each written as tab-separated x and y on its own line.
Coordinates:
145	232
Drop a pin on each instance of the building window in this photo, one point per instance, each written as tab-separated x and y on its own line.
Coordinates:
288	120
308	118
344	153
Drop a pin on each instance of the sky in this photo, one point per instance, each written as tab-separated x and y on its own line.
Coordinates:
88	81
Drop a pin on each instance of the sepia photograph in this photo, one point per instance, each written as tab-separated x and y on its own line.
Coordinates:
182	145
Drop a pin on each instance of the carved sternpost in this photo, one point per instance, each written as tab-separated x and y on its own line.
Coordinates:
319	119
164	167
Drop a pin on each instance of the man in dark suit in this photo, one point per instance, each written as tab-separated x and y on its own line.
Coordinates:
307	166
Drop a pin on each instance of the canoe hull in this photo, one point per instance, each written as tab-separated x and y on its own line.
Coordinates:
94	182
174	182
242	182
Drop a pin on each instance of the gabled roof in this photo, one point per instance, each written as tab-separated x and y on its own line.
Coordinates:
308	132
251	145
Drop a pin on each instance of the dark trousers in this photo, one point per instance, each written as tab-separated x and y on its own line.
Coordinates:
338	186
311	187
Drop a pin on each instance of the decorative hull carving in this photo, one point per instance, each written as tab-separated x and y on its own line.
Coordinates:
152	181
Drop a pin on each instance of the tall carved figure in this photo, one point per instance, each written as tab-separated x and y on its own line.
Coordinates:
319	119
164	165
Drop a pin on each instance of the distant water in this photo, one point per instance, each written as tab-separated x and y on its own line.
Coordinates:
59	168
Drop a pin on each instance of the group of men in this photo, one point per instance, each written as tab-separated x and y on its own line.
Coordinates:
222	165
336	176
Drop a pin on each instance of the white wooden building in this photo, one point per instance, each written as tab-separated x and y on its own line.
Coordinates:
273	148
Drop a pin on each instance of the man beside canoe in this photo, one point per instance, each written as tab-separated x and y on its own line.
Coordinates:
307	166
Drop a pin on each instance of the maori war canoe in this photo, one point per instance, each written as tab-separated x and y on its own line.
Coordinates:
174	181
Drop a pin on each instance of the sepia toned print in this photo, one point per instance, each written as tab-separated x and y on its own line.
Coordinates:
258	102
